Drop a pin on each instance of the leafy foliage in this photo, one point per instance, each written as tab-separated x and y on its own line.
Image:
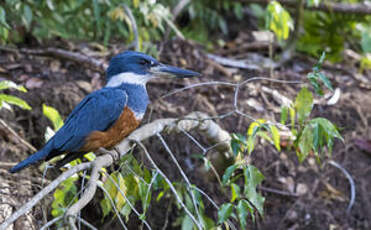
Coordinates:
278	20
6	99
64	196
311	137
53	115
86	20
245	203
329	32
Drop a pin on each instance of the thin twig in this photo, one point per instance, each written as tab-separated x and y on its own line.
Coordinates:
40	195
112	204
170	185
351	183
276	191
89	62
20	139
326	6
127	200
189	185
89	192
87	224
133	25
50	223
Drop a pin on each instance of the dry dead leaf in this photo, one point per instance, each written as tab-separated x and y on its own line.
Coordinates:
55	65
34	83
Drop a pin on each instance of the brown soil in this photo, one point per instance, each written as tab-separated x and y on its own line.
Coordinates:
324	190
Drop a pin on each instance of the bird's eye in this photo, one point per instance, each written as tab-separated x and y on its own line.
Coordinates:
144	62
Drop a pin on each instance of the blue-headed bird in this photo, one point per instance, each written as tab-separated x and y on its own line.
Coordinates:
105	117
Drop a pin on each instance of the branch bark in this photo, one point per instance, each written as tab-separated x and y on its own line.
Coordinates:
355	8
89	62
194	121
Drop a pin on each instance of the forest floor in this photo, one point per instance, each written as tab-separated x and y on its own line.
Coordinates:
298	196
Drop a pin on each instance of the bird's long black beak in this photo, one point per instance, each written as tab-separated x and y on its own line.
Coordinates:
172	71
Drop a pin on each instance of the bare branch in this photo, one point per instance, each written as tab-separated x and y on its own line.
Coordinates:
90	190
27	207
354	8
112	204
127	200
351	183
134	27
87	61
50	223
199	226
189	185
20	139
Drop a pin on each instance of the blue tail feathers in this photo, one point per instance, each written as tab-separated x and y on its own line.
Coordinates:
34	158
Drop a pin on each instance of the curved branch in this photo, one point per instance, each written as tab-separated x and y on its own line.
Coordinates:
194	121
26	207
354	8
351	183
134	27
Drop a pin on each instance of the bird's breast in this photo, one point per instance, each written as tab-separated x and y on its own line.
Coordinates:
122	127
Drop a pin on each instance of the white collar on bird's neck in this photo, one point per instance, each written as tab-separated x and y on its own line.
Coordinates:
129	78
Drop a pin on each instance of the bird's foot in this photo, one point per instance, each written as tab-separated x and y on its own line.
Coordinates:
114	154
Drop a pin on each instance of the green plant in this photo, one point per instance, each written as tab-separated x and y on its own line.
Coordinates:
309	136
278	20
83	20
6	100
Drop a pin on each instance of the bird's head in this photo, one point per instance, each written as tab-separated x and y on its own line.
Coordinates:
138	68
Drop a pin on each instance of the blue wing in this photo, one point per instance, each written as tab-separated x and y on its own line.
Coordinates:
98	111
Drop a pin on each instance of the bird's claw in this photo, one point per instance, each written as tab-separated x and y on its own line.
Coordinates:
114	154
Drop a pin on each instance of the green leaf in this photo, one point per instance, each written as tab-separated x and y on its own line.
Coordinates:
325	81
276	137
3	19
15	101
324	131
284	114
366	40
238	10
235	192
313	2
27	16
50	4
208	222
9	84
313	79
251	143
278	20
303	104
49	133
224	212
235	144
243	209
328	127
321	60
53	115
292	119
305	142
64	196
253	177
228	173
187	223
90	156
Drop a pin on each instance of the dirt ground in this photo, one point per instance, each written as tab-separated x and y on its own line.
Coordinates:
298	196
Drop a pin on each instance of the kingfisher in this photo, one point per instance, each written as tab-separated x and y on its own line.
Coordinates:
105	117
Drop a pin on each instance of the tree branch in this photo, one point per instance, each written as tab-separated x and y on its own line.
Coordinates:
27	207
194	121
354	8
87	61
